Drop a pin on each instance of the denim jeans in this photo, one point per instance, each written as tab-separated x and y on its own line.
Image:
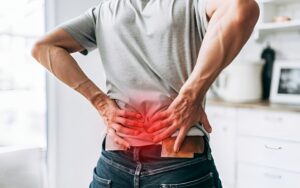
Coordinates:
142	167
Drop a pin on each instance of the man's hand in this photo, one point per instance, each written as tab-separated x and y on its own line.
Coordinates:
182	114
119	121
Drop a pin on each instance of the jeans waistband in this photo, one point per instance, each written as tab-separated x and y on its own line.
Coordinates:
149	154
150	150
149	158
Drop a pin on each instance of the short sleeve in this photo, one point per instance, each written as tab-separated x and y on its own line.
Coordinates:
82	29
201	18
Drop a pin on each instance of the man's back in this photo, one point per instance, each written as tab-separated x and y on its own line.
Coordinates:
148	50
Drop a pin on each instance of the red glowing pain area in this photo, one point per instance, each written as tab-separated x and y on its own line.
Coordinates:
152	119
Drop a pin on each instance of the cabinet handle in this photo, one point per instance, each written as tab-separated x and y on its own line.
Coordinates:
273	147
274	119
273	176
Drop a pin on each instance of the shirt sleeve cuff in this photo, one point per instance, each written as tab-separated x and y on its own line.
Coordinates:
80	40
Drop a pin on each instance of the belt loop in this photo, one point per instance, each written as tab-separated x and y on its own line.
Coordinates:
208	147
104	143
136	153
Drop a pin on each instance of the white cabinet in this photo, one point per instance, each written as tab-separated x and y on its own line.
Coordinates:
223	142
251	176
269	124
255	145
269	152
268	148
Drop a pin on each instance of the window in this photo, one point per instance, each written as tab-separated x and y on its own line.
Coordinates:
22	80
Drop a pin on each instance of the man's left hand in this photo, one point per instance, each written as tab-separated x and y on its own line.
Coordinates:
181	115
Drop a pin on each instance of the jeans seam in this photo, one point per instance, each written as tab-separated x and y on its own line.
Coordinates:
118	166
137	174
102	180
191	183
172	167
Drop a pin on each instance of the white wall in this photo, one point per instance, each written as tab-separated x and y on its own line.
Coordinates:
75	128
286	43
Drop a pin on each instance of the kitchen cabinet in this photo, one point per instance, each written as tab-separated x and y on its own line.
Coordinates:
257	176
224	128
269	124
269	152
255	144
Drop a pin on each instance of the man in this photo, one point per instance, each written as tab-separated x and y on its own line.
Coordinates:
166	97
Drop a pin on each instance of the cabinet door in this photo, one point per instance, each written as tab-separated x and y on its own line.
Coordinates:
269	152
250	176
269	124
223	142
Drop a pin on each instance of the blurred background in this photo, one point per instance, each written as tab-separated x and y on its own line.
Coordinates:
50	136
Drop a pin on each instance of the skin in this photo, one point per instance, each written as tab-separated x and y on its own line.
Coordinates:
231	23
230	26
53	52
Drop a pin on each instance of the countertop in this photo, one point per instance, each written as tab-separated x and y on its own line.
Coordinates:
258	105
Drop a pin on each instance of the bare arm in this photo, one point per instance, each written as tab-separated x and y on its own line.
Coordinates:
230	26
53	52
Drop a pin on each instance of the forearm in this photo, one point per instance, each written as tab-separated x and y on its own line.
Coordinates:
229	28
64	67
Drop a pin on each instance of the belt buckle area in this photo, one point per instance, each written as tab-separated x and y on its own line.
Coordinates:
190	145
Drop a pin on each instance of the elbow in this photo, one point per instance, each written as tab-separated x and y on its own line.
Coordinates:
41	49
36	50
247	13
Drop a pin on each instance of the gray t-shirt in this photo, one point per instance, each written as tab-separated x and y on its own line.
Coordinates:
148	49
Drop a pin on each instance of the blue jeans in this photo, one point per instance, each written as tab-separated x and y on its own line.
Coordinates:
142	167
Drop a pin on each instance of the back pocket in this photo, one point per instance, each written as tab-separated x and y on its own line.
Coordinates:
206	181
99	182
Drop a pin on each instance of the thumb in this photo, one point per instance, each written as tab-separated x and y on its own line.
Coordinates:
205	122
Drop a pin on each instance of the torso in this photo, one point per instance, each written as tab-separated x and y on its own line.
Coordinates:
148	49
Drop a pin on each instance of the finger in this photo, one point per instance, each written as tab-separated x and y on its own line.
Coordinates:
121	129
165	134
128	122
206	123
128	114
159	115
159	125
118	140
180	138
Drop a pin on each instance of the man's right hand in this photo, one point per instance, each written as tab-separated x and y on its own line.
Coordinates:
119	121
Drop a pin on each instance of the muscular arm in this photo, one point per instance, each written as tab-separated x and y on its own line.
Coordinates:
53	52
231	24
